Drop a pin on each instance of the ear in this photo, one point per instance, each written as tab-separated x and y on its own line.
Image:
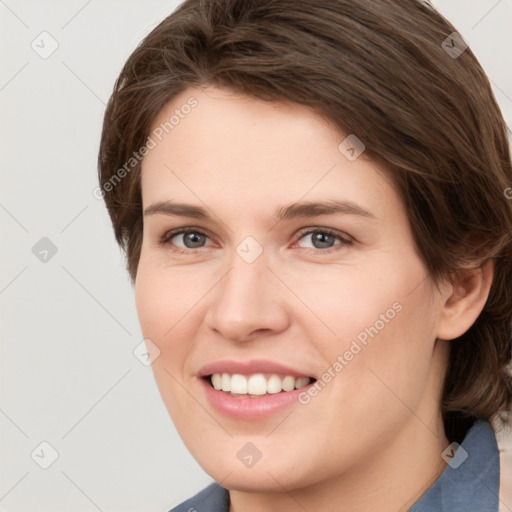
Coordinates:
464	300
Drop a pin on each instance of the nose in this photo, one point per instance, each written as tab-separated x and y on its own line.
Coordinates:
248	302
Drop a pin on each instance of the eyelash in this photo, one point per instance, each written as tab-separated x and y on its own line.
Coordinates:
345	241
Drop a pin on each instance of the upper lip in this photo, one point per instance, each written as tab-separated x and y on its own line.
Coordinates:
249	368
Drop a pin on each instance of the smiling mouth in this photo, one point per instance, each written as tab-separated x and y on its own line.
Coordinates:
256	385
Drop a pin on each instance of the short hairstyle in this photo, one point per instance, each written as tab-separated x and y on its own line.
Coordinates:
378	69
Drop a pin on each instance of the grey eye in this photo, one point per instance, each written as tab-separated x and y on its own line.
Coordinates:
193	240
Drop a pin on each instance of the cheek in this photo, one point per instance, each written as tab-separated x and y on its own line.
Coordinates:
380	325
386	356
165	303
166	300
165	307
381	364
347	303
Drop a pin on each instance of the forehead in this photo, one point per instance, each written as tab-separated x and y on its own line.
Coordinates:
230	146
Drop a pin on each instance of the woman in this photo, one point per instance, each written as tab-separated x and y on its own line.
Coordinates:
312	197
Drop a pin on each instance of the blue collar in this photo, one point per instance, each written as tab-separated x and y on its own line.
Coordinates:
474	485
466	485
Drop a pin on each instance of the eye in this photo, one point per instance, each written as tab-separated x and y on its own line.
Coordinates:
192	238
322	239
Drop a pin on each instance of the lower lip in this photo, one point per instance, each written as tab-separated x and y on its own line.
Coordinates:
250	408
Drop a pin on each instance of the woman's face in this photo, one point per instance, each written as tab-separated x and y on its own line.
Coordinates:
274	290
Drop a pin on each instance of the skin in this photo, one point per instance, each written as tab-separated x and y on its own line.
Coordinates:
372	438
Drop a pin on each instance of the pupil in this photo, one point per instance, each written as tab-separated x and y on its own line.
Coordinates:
320	238
193	238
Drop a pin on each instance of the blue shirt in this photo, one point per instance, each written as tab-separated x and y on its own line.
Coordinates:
466	485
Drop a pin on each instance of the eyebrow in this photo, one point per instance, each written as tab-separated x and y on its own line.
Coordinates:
291	211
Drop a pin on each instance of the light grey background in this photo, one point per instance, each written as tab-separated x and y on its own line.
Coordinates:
69	325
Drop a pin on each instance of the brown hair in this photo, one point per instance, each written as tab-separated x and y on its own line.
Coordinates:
375	68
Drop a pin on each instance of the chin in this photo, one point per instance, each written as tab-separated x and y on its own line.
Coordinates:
251	482
270	475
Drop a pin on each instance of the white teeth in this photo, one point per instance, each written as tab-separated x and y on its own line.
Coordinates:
256	384
226	382
301	382
239	384
217	381
288	383
274	384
